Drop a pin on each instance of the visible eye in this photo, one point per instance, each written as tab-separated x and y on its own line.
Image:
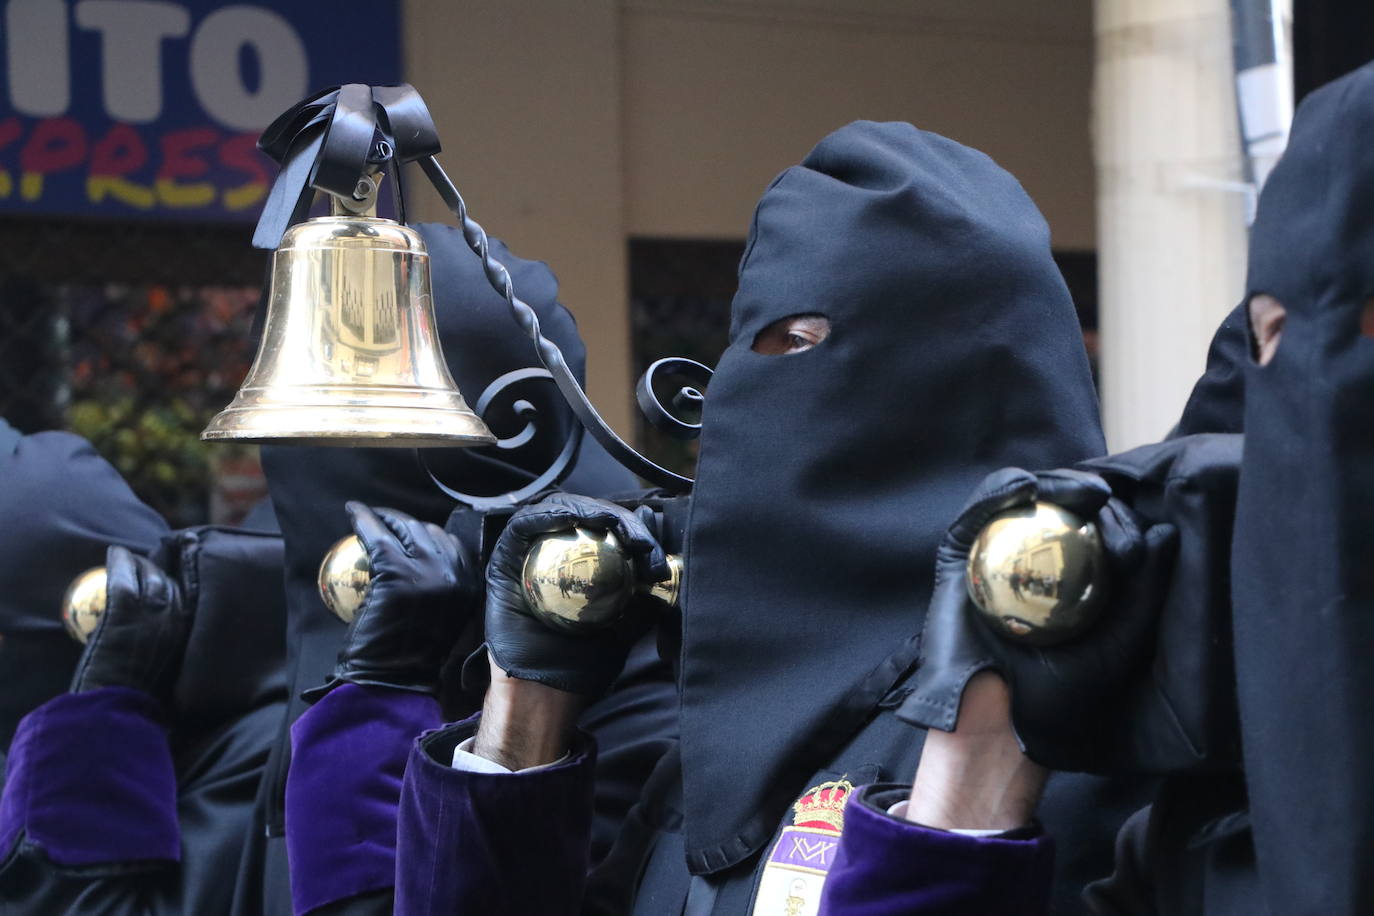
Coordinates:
1267	315
793	334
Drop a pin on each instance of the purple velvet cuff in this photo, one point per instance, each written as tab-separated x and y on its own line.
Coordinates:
887	866
348	754
90	781
495	844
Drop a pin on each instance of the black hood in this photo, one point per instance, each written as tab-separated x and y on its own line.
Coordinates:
827	478
1217	402
63	505
1303	567
481	342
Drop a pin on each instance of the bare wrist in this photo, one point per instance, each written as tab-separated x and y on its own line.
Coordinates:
524	723
973	786
976	777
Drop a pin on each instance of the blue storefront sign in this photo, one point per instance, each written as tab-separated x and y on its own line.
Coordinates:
152	108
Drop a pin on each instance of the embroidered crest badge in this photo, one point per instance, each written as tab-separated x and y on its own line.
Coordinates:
796	868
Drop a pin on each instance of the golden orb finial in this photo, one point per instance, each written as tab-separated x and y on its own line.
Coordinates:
1036	573
345	575
84	603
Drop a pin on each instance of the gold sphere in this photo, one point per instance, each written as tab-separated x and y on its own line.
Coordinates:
577	580
83	604
670	588
345	574
1037	574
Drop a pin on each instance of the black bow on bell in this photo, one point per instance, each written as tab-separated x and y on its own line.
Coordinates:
330	140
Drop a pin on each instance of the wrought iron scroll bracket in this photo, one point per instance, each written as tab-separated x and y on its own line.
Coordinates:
688	398
549	353
552	475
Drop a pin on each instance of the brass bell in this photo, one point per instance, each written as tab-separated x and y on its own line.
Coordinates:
1037	574
83	604
581	580
349	352
345	575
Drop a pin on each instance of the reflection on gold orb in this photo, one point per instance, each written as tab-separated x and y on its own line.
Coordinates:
577	580
84	603
1037	575
670	589
345	575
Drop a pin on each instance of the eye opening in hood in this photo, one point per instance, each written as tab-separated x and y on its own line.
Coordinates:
1266	319
792	334
1367	318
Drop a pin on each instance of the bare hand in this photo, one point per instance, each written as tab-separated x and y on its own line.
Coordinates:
975	777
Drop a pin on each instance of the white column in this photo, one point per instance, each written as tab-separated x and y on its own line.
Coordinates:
1171	236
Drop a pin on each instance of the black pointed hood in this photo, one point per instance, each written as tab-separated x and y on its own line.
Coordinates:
827	478
1302	563
1217	402
63	505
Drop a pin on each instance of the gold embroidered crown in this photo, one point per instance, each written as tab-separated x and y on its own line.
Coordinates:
823	805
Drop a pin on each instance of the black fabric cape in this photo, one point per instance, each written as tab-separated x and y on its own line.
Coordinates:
62	506
1302	567
227	704
827	478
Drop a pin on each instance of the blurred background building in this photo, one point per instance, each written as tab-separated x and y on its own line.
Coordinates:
623	141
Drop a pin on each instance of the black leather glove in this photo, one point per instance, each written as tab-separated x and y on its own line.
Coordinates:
141	638
1186	714
424	588
1071	703
526	648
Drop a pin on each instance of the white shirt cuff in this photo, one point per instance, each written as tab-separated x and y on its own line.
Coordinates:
899	810
464	759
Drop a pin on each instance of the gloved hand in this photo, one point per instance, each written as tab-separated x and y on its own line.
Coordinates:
141	638
526	648
424	588
1070	706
